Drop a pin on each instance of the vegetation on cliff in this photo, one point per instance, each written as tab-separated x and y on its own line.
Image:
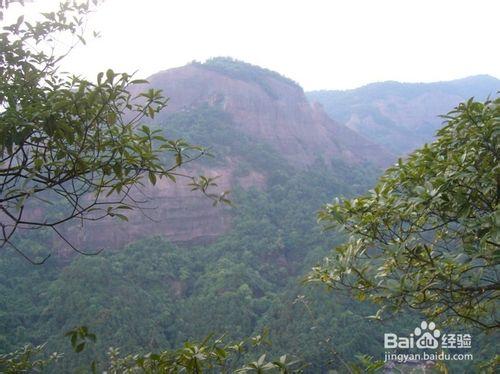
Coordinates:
427	237
424	241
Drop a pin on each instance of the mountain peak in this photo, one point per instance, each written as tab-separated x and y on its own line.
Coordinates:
268	107
243	70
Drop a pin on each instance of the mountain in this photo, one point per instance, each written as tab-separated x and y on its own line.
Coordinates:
236	272
262	129
268	107
257	123
401	116
230	270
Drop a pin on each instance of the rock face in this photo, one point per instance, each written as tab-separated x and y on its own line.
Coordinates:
401	116
268	107
272	111
262	106
269	110
173	211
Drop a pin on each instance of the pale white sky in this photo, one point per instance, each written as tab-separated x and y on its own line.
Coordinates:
321	44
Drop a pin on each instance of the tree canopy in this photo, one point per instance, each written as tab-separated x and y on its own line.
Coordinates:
69	140
427	236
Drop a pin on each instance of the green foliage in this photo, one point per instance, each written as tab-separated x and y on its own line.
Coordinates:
80	336
153	296
247	72
70	140
427	236
211	126
212	355
25	360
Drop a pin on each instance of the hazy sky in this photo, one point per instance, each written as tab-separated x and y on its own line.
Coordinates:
329	44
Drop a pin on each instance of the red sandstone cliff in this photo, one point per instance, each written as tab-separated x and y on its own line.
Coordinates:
263	105
272	110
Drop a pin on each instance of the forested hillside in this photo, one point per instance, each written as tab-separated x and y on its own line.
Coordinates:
257	124
153	294
216	218
401	116
195	269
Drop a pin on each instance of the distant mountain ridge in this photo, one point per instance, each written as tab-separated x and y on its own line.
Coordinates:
401	116
262	129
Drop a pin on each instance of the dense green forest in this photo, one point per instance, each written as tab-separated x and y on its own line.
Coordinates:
155	295
416	242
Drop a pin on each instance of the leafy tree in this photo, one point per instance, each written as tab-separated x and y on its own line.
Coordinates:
27	360
68	140
427	236
211	355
